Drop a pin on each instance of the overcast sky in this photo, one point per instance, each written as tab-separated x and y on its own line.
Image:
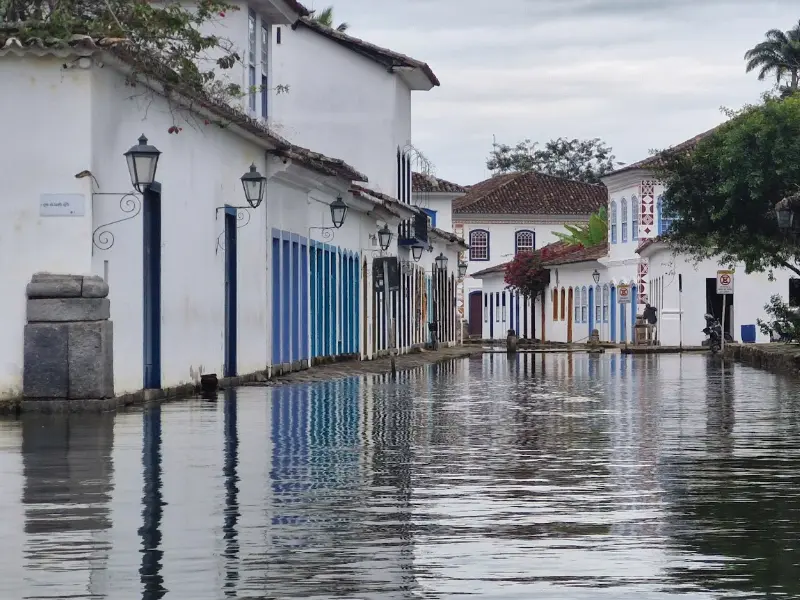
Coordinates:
640	74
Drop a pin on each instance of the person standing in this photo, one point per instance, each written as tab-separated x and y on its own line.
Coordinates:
649	315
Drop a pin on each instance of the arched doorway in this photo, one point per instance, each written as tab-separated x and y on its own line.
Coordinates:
570	314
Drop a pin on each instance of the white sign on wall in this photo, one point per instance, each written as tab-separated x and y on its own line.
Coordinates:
725	282
62	205
624	294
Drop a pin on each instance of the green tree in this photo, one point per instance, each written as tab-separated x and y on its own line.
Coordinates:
588	234
778	55
580	160
167	34
325	17
722	194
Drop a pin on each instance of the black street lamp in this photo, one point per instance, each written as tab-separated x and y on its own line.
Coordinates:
441	262
142	164
385	238
254	184
338	212
596	276
462	269
416	252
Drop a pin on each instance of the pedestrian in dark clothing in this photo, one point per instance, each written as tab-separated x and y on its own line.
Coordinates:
649	314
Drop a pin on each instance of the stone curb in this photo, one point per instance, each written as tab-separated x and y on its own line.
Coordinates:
775	357
326	372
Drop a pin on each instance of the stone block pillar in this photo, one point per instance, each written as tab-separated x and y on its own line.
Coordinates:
68	340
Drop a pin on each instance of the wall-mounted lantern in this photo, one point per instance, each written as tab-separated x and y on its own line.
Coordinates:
142	164
416	252
338	212
596	276
385	237
785	210
254	184
462	269
441	262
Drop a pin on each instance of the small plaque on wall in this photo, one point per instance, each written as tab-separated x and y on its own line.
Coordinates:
62	205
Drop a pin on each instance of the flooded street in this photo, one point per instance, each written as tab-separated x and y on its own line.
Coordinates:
548	476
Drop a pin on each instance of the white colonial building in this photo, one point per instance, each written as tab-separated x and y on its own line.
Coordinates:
512	213
201	282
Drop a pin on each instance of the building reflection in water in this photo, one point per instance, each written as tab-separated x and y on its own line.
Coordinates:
340	512
68	482
152	506
231	513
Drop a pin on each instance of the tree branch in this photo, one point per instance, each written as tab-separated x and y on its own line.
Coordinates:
789	266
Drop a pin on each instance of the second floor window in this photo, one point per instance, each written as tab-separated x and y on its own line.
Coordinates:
612	220
624	218
251	58
479	244
664	220
634	218
264	70
525	241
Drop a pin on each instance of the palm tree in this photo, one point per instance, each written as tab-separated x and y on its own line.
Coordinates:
325	17
588	234
778	55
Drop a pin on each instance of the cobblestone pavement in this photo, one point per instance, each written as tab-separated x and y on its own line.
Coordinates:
379	366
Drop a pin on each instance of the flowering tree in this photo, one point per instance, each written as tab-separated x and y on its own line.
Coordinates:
526	275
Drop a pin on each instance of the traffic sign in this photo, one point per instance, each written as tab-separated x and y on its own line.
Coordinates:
624	294
725	282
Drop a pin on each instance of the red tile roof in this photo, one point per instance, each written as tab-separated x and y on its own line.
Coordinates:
657	159
490	270
433	185
388	58
298	8
531	194
578	254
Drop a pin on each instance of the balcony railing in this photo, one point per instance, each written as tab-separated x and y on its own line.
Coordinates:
413	231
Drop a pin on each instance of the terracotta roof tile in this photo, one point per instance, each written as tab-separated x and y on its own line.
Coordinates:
490	270
433	185
578	254
384	56
657	159
531	194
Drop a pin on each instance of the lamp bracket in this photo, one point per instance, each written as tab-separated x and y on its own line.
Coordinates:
326	233
130	204
242	219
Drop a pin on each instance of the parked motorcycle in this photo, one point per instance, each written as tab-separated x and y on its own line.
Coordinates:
713	330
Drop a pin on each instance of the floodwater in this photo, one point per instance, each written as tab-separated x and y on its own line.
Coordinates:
555	476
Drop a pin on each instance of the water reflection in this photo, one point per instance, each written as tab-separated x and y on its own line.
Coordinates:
68	475
559	476
152	506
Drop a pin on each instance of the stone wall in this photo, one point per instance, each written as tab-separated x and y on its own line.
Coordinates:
68	354
773	357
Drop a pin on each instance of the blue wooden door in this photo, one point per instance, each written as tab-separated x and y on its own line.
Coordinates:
591	310
613	303
151	286
230	292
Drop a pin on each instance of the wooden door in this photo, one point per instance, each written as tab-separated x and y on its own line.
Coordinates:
570	314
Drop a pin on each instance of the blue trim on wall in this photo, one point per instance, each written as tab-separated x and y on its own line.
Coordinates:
297	303
276	297
151	289
231	299
431	214
286	299
623	324
633	310
613	303
591	309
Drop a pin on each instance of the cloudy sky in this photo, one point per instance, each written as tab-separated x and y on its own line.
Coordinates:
640	74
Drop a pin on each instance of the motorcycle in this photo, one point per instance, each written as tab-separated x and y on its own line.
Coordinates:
713	330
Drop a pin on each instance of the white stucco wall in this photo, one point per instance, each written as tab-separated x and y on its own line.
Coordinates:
442	204
751	293
43	154
502	240
576	277
341	104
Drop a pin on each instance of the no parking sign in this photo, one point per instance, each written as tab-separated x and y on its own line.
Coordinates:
624	294
725	282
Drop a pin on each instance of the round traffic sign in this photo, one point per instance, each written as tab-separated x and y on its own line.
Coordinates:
725	279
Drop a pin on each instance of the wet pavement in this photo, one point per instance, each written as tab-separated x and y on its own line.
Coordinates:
545	476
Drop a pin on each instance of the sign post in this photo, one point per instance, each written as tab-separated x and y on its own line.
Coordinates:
725	289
